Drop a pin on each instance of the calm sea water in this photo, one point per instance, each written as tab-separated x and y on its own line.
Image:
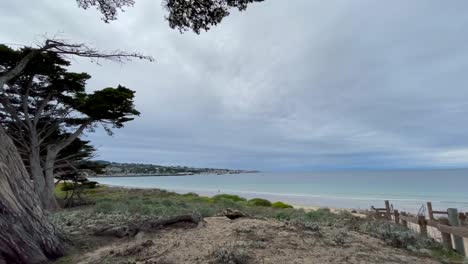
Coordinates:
407	190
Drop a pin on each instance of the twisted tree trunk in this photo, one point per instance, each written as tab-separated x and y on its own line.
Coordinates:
26	235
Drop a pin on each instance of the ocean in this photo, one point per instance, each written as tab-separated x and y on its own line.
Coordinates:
407	190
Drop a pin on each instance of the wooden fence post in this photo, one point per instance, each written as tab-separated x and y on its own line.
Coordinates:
462	218
396	214
422	225
403	221
387	207
454	221
429	211
446	237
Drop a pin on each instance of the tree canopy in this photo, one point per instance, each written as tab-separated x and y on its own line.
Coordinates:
46	108
184	15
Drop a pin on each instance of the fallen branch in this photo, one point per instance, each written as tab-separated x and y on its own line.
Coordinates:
233	214
133	227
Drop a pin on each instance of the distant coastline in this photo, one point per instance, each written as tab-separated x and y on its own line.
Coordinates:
116	169
163	175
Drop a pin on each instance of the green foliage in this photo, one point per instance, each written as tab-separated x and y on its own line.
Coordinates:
402	237
232	197
183	15
54	103
259	202
111	104
396	235
283	215
281	205
66	187
320	214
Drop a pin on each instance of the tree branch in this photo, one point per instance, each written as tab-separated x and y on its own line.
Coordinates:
59	146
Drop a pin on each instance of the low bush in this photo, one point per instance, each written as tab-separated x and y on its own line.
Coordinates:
281	205
320	215
230	255
259	202
396	235
232	197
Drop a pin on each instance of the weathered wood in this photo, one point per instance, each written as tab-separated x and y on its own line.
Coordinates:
454	230
396	215
429	211
409	219
432	223
233	214
454	221
26	235
422	225
446	237
440	212
403	221
388	210
131	228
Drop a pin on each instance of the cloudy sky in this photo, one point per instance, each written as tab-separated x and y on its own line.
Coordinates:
286	85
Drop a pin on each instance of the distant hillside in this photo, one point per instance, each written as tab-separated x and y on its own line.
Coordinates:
115	168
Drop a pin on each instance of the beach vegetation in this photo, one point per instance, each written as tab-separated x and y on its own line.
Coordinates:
115	205
259	202
401	237
281	205
320	215
232	197
230	255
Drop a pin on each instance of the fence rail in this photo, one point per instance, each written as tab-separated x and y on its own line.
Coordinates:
448	229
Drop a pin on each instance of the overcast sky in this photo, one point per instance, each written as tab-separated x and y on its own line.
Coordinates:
287	85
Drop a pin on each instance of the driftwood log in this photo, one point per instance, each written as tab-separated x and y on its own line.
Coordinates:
133	227
233	214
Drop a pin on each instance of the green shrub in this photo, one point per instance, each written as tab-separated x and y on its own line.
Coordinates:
281	205
259	202
320	215
283	215
222	204
232	197
396	235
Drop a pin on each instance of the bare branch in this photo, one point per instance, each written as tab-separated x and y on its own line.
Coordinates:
83	50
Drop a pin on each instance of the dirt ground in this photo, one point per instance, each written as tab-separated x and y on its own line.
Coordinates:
245	240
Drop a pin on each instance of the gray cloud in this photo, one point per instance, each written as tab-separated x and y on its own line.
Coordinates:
287	85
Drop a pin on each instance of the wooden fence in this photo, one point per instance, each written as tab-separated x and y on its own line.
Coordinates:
448	227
